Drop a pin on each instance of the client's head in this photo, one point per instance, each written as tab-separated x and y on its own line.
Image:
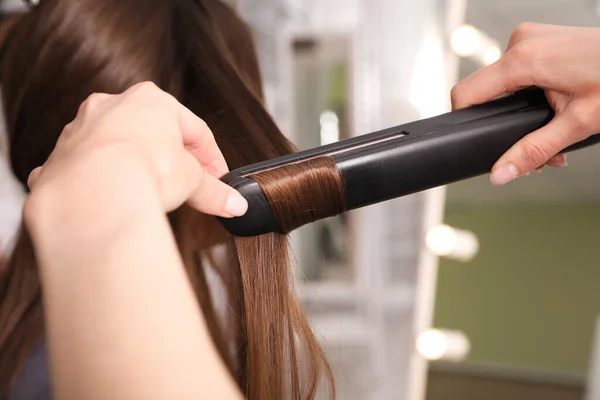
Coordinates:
53	58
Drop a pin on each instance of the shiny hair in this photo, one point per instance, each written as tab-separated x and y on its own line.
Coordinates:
61	52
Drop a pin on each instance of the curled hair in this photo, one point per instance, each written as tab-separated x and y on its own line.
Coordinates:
303	192
202	53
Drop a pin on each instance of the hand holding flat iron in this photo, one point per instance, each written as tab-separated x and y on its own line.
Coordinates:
565	62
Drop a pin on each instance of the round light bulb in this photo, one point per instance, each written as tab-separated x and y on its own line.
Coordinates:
442	240
330	129
432	344
466	40
446	241
328	118
440	344
491	55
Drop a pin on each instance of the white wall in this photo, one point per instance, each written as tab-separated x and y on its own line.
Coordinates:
11	194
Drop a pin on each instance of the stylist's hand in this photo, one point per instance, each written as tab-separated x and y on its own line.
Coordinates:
565	61
147	130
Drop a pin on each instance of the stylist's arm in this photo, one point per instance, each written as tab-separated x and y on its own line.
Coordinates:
122	320
565	61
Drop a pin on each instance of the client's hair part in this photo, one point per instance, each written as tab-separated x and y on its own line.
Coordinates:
199	51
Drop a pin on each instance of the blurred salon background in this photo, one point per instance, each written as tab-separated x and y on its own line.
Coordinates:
462	292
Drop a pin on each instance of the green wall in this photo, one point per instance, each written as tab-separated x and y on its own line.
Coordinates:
532	294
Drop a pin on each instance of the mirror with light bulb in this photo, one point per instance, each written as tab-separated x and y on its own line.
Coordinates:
527	298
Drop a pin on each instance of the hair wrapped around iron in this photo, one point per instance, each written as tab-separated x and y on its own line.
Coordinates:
61	52
304	192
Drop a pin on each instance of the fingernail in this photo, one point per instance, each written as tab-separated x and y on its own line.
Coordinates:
236	205
504	174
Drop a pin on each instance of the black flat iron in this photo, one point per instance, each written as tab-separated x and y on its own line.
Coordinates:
408	158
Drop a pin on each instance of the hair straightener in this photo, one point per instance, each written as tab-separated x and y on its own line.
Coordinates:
408	158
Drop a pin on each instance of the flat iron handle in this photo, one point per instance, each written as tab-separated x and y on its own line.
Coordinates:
422	162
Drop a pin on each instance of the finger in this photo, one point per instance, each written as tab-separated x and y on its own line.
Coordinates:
535	149
512	72
530	30
33	177
90	104
516	70
93	101
558	161
214	197
199	140
188	182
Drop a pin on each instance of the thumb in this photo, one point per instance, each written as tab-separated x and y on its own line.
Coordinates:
211	196
190	182
217	198
535	149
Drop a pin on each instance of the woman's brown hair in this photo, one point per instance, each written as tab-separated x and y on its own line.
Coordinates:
199	51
